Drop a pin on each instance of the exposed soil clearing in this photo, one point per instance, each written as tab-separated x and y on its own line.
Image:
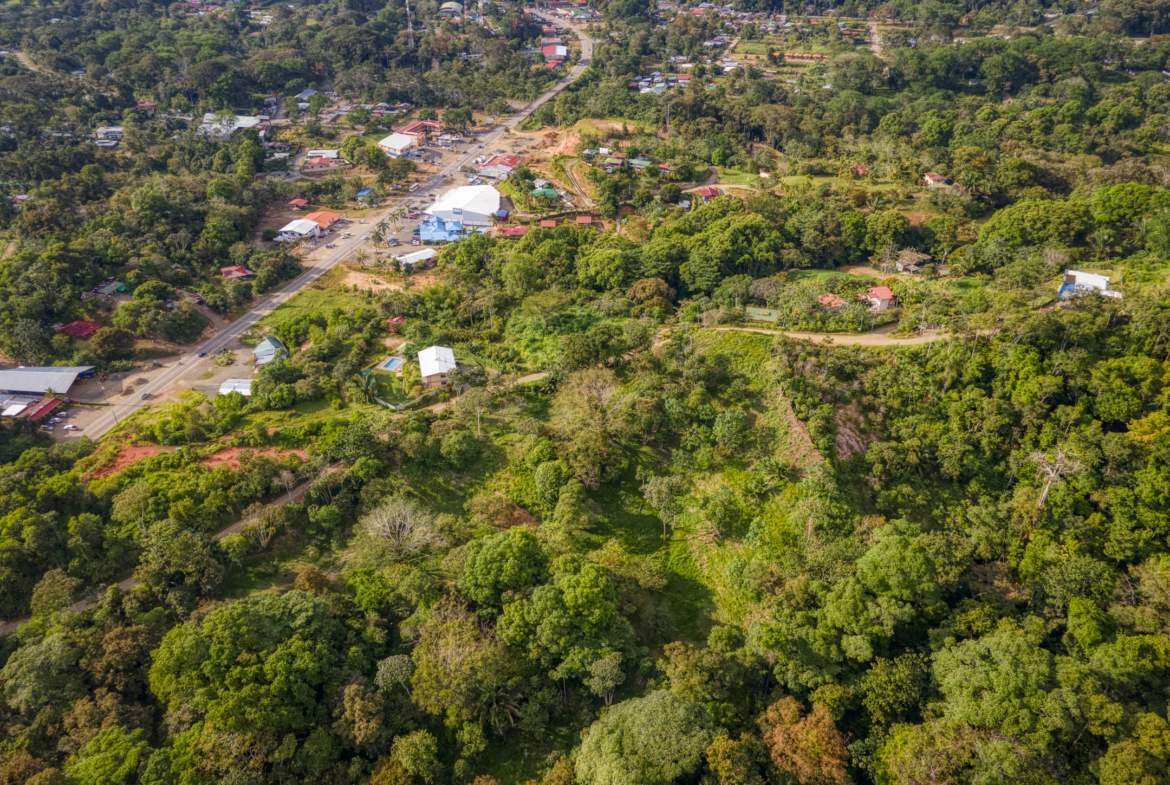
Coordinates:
230	456
126	456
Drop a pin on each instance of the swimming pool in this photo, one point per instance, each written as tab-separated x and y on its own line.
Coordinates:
392	363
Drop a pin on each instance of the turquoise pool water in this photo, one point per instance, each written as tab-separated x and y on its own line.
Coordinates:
392	363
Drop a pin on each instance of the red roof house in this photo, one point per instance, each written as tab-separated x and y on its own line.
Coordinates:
830	301
548	223
80	329
236	273
298	203
585	220
324	218
514	231
880	298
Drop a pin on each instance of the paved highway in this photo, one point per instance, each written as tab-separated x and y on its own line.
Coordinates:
327	259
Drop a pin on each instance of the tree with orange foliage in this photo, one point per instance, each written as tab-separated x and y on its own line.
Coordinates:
807	746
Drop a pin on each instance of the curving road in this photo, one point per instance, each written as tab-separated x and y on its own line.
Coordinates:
329	259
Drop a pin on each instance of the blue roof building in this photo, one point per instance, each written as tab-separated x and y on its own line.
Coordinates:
364	194
436	230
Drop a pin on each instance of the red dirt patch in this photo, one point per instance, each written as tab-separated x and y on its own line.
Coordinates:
127	456
230	456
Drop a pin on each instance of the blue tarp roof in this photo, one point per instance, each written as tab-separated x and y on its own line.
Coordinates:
364	192
501	213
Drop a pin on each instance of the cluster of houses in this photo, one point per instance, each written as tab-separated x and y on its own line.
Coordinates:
223	127
657	83
497	168
574	10
414	136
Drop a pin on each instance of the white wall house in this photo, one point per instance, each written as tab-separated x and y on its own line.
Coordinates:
434	363
298	230
398	145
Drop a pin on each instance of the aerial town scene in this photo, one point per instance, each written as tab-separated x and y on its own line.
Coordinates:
584	392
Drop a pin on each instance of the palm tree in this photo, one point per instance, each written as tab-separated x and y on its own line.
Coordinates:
364	387
381	226
376	236
361	257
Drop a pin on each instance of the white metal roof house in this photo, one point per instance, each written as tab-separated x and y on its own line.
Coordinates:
397	144
297	230
417	256
434	363
269	349
1077	282
242	386
471	205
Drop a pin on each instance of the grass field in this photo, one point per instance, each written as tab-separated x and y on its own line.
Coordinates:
322	295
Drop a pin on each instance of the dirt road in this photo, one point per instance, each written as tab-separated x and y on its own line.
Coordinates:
875	40
26	61
879	337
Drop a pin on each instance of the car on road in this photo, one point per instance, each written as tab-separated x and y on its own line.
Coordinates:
202	354
145	396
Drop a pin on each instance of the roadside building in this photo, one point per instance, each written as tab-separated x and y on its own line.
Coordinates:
298	230
470	205
267	350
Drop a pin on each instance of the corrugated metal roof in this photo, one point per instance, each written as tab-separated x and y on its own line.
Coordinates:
41	380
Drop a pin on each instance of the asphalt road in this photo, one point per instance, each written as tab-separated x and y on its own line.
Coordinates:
326	259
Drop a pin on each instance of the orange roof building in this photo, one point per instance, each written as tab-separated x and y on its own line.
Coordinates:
323	218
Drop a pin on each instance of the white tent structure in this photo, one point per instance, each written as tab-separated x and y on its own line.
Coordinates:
470	205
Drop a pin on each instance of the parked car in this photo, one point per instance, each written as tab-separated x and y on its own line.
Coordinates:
414	241
46	427
330	245
72	427
345	236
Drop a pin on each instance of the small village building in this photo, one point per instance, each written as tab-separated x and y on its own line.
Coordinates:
298	230
236	273
435	363
79	329
269	349
1077	282
242	386
831	302
398	144
879	298
416	257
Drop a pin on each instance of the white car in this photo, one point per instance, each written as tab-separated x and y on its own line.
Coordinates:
72	427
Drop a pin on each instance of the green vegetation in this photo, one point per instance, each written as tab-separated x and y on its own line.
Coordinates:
680	552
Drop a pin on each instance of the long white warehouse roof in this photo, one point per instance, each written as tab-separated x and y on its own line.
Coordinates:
480	199
42	379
